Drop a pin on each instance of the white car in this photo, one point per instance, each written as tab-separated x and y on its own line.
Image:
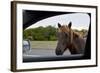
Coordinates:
26	46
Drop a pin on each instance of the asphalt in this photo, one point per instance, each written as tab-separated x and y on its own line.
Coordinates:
44	52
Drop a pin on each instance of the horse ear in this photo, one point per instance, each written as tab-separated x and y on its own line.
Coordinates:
59	25
70	24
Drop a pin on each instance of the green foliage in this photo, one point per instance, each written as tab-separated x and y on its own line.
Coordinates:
40	34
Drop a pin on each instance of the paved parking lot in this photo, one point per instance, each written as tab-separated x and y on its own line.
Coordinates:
45	52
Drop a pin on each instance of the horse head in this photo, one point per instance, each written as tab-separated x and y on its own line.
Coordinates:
65	37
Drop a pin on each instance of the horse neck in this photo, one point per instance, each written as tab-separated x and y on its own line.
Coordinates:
73	37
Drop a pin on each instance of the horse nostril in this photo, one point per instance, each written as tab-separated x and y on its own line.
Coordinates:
58	52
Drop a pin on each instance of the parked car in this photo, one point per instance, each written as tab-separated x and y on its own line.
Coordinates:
26	46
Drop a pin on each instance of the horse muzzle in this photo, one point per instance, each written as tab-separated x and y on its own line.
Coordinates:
58	52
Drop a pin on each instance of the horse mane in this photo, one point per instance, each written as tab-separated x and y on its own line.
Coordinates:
76	35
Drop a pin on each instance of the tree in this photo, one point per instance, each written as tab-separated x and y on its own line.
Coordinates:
40	33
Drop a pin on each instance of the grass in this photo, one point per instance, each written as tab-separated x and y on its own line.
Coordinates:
43	44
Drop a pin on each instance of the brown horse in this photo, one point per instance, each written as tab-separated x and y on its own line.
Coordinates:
68	39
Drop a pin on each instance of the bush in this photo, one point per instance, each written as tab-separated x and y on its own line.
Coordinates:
40	34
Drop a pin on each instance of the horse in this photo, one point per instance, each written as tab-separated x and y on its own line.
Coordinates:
69	39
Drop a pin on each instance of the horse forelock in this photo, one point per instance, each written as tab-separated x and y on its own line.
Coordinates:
67	30
64	28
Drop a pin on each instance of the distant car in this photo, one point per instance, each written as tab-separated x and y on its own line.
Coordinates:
26	46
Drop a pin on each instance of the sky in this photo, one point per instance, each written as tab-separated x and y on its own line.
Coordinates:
79	21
